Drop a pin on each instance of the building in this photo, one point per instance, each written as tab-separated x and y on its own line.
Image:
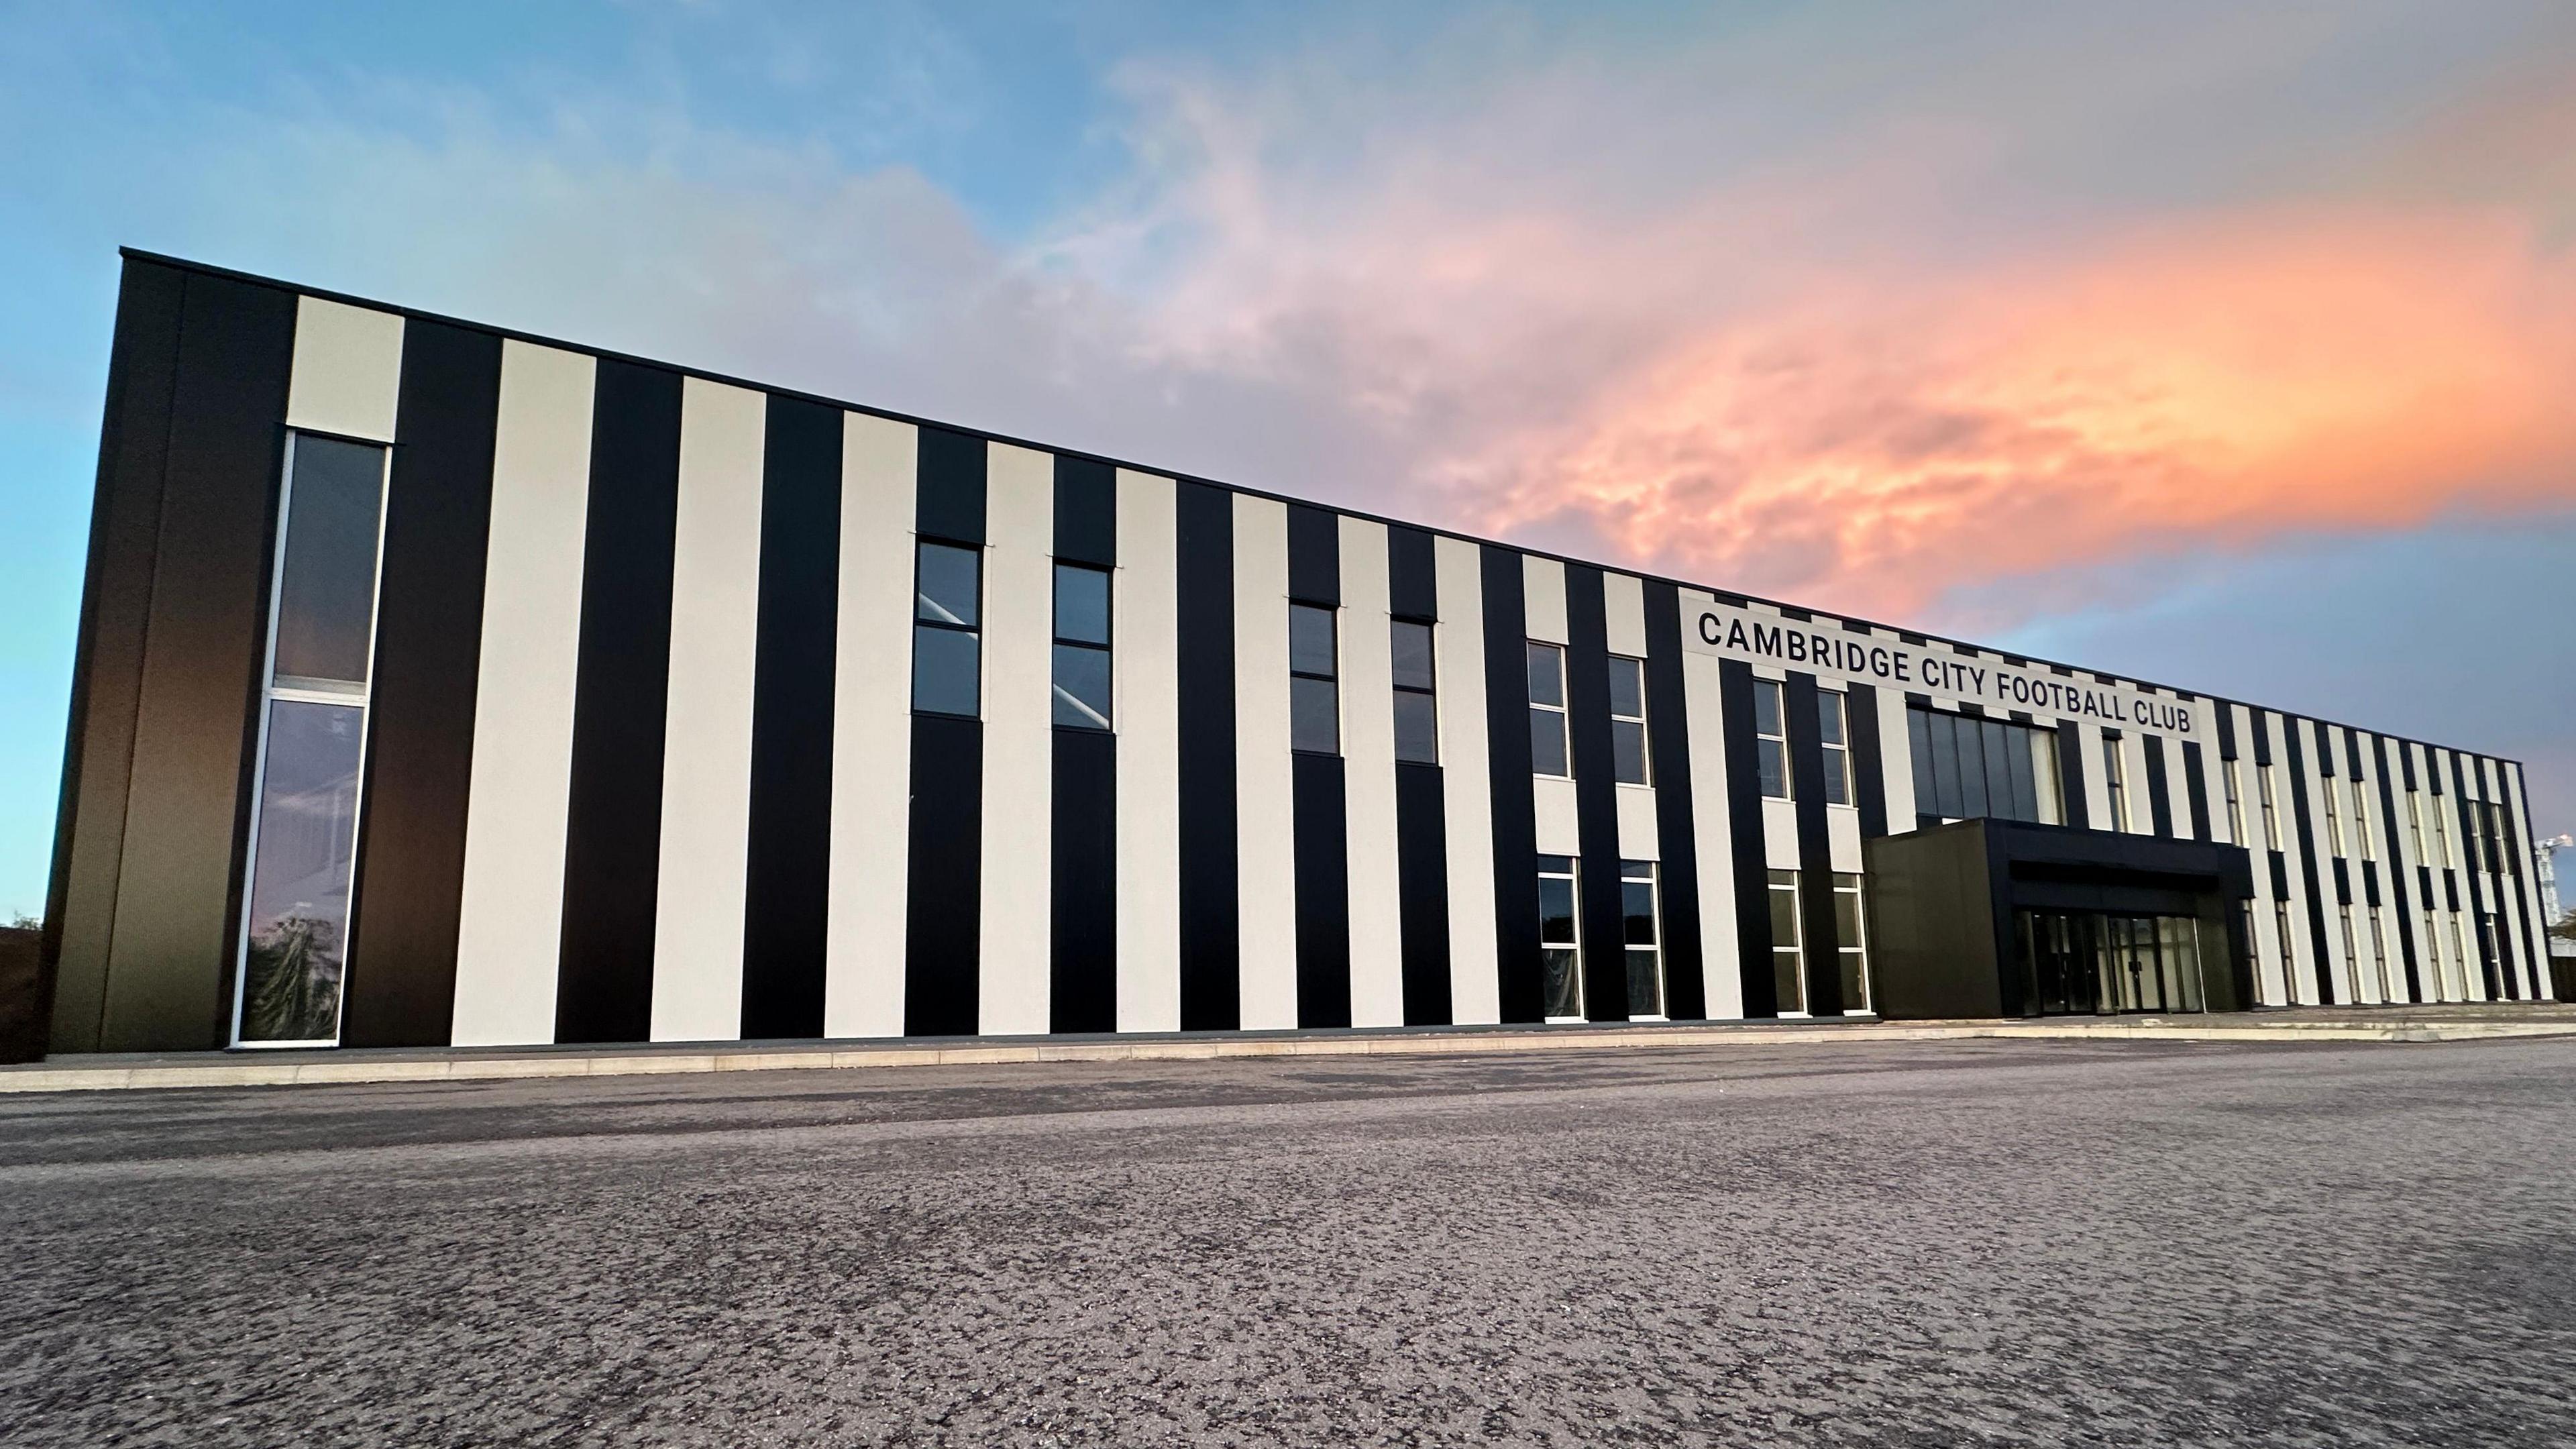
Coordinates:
440	685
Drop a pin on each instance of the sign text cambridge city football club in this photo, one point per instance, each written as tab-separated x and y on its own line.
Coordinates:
1758	638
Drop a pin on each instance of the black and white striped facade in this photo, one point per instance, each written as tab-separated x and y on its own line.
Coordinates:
642	758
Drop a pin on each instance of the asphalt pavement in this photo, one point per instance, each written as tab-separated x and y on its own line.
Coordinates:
1908	1243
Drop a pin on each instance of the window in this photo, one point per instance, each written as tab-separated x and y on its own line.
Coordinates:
2441	983
2289	950
2360	820
1628	720
1831	728
2469	834
1314	699
2379	954
2253	948
2271	813
2231	772
1770	739
1547	710
2442	855
947	667
1966	767
2115	780
1640	930
1850	942
1417	714
2459	949
2351	952
313	730
2332	788
2415	826
1560	951
1081	647
1788	981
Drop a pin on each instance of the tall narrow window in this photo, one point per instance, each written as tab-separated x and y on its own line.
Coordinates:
2379	955
1560	949
2360	820
2469	836
1832	727
1314	698
2415	826
1417	712
2253	948
947	646
2440	985
2271	811
1851	940
2115	780
2289	948
2460	950
2332	788
1770	739
313	731
1547	710
1628	720
2351	950
2230	772
2442	854
1081	647
1643	939
1788	981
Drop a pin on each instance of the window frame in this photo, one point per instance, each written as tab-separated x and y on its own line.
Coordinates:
1060	641
1785	882
1572	875
974	631
1332	616
1652	879
1645	752
1537	706
1854	958
2362	839
2332	786
1834	705
2115	783
1779	741
2233	775
2269	786
1429	692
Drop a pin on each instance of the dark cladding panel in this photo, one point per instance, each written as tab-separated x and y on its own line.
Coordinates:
613	818
1422	890
788	855
429	633
1596	800
1323	888
2296	777
1815	847
944	879
171	957
1086	511
107	667
1507	745
949	502
1211	945
2071	738
1413	590
2159	791
1744	827
1676	832
1083	889
2195	784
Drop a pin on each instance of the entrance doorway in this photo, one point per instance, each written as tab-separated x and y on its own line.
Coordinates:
2084	963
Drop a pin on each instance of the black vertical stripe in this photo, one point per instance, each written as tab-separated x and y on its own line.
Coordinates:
410	880
944	879
1323	890
1082	892
613	825
1676	827
1507	745
178	903
2070	772
1799	713
1596	797
949	493
788	859
2536	954
1211	946
1744	828
107	666
2195	784
1869	767
2389	837
2159	793
1421	806
2290	732
2465	815
1314	554
2226	715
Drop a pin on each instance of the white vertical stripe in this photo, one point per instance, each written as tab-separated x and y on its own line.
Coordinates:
1554	816
1543	598
1466	789
1265	821
1145	673
871	730
1019	751
1720	956
1623	600
347	374
2535	925
1640	833
510	909
1895	756
706	749
1368	777
2097	778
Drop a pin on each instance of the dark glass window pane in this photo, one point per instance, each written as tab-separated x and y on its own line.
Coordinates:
944	675
1314	716
1847	919
1927	785
1645	984
1417	729
1413	669
1837	777
1628	751
946	590
1556	910
1787	982
299	895
1766	707
1972	769
1556	865
1949	799
1775	768
1637	908
1829	717
1547	741
1082	686
1627	688
2024	782
1999	783
1546	674
1564	983
326	591
1082	604
1784	917
1310	640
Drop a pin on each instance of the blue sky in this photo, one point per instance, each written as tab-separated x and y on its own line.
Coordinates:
2227	346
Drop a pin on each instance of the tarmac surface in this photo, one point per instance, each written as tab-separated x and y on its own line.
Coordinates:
1869	1243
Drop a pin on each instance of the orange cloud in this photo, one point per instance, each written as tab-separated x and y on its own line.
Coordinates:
1869	446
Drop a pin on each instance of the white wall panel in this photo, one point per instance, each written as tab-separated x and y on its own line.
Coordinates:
1019	743
1720	951
871	730
1368	777
1896	759
1623	599
1475	985
706	748
1780	834
347	374
510	908
1640	836
1543	598
1266	819
1842	838
1145	674
1552	802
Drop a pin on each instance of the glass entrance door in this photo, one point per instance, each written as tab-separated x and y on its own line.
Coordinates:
2081	963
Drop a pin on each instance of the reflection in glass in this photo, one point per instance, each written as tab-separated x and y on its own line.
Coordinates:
1546	675
1547	741
947	585
1417	729
1412	654
1563	982
944	671
307	833
326	585
1081	686
1081	604
1314	716
1787	981
1628	751
1627	687
1560	960
1310	640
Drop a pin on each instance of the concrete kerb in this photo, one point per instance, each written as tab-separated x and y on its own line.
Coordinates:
466	1064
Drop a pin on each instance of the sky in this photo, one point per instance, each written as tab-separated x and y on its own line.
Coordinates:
2229	346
